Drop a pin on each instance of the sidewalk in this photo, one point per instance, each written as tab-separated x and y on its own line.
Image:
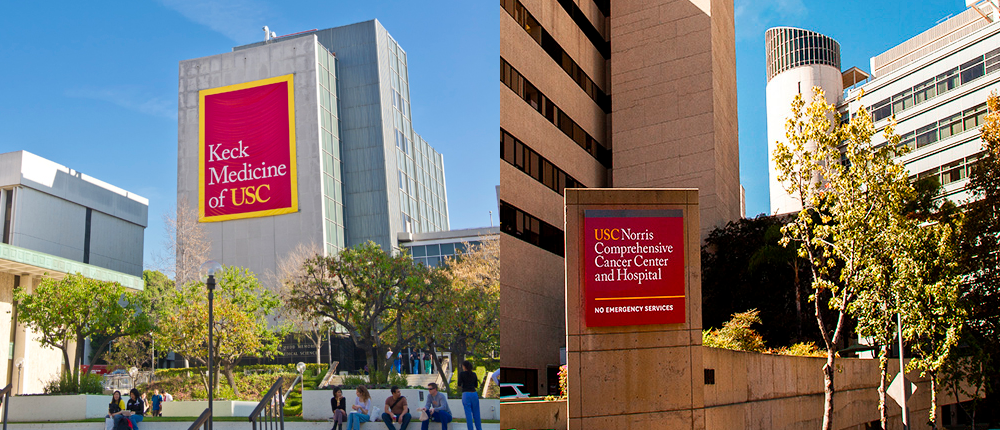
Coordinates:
232	425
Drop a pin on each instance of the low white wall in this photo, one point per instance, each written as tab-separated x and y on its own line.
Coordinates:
316	403
58	408
221	408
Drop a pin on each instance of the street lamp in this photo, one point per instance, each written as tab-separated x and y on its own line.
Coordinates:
210	268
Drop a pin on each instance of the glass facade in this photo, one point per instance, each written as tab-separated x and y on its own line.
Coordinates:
423	202
332	164
787	48
436	254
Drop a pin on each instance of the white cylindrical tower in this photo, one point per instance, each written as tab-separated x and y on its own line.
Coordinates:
797	61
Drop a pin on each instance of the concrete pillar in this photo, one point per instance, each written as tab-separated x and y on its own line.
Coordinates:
639	376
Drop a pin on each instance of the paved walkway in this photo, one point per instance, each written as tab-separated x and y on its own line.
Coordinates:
232	425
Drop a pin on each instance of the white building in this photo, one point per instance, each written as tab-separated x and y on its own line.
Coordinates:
57	221
935	86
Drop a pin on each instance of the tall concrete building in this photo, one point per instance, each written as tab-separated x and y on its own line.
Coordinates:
56	221
358	170
602	94
934	85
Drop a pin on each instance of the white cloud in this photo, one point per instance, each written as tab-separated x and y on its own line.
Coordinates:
129	97
755	16
239	20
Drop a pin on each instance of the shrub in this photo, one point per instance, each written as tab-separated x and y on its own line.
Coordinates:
736	333
65	384
806	349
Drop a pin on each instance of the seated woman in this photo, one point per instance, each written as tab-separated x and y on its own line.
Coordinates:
436	407
115	409
339	405
135	408
362	407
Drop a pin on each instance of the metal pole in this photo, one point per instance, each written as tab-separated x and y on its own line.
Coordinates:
211	373
902	374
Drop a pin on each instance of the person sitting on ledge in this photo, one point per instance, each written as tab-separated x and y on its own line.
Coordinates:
436	407
396	410
134	409
115	409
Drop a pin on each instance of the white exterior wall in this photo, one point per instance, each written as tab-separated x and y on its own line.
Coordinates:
257	243
780	92
966	96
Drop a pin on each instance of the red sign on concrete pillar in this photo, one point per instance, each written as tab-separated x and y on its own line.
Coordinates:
633	267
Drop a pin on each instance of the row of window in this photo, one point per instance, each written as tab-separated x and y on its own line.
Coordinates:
588	29
604	6
398	102
791	47
542	37
526	227
951	172
528	161
939	130
940	84
543	105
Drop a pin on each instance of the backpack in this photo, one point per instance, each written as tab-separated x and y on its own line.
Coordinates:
124	424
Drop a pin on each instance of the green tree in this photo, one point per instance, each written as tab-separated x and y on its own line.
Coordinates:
368	292
66	312
241	309
851	226
157	288
980	258
464	317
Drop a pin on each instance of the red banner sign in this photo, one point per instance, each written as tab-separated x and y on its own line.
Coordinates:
633	267
246	150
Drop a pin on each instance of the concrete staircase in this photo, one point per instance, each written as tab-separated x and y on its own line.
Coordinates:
411	380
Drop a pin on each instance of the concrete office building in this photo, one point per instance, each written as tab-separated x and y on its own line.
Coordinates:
935	85
600	94
363	173
434	248
57	221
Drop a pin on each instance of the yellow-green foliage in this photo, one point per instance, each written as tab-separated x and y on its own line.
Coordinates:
736	333
805	349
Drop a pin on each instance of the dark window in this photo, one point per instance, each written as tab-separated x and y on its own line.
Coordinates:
924	91
947	81
972	70
993	61
526	227
974	117
881	110
588	29
908	140
709	376
926	135
951	126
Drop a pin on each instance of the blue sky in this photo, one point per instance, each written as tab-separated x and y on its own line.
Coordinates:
95	88
864	30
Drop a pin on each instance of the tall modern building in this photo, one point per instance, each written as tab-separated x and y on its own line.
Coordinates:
598	94
315	134
58	221
935	86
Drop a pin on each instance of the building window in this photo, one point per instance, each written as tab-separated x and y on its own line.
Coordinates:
528	228
525	159
972	70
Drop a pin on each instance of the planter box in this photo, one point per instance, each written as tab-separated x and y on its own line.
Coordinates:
316	404
58	408
220	408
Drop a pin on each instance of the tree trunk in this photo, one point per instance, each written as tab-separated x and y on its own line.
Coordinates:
228	369
828	390
883	362
319	359
799	320
932	415
444	378
78	360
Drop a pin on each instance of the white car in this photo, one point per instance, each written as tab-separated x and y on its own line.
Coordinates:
507	387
